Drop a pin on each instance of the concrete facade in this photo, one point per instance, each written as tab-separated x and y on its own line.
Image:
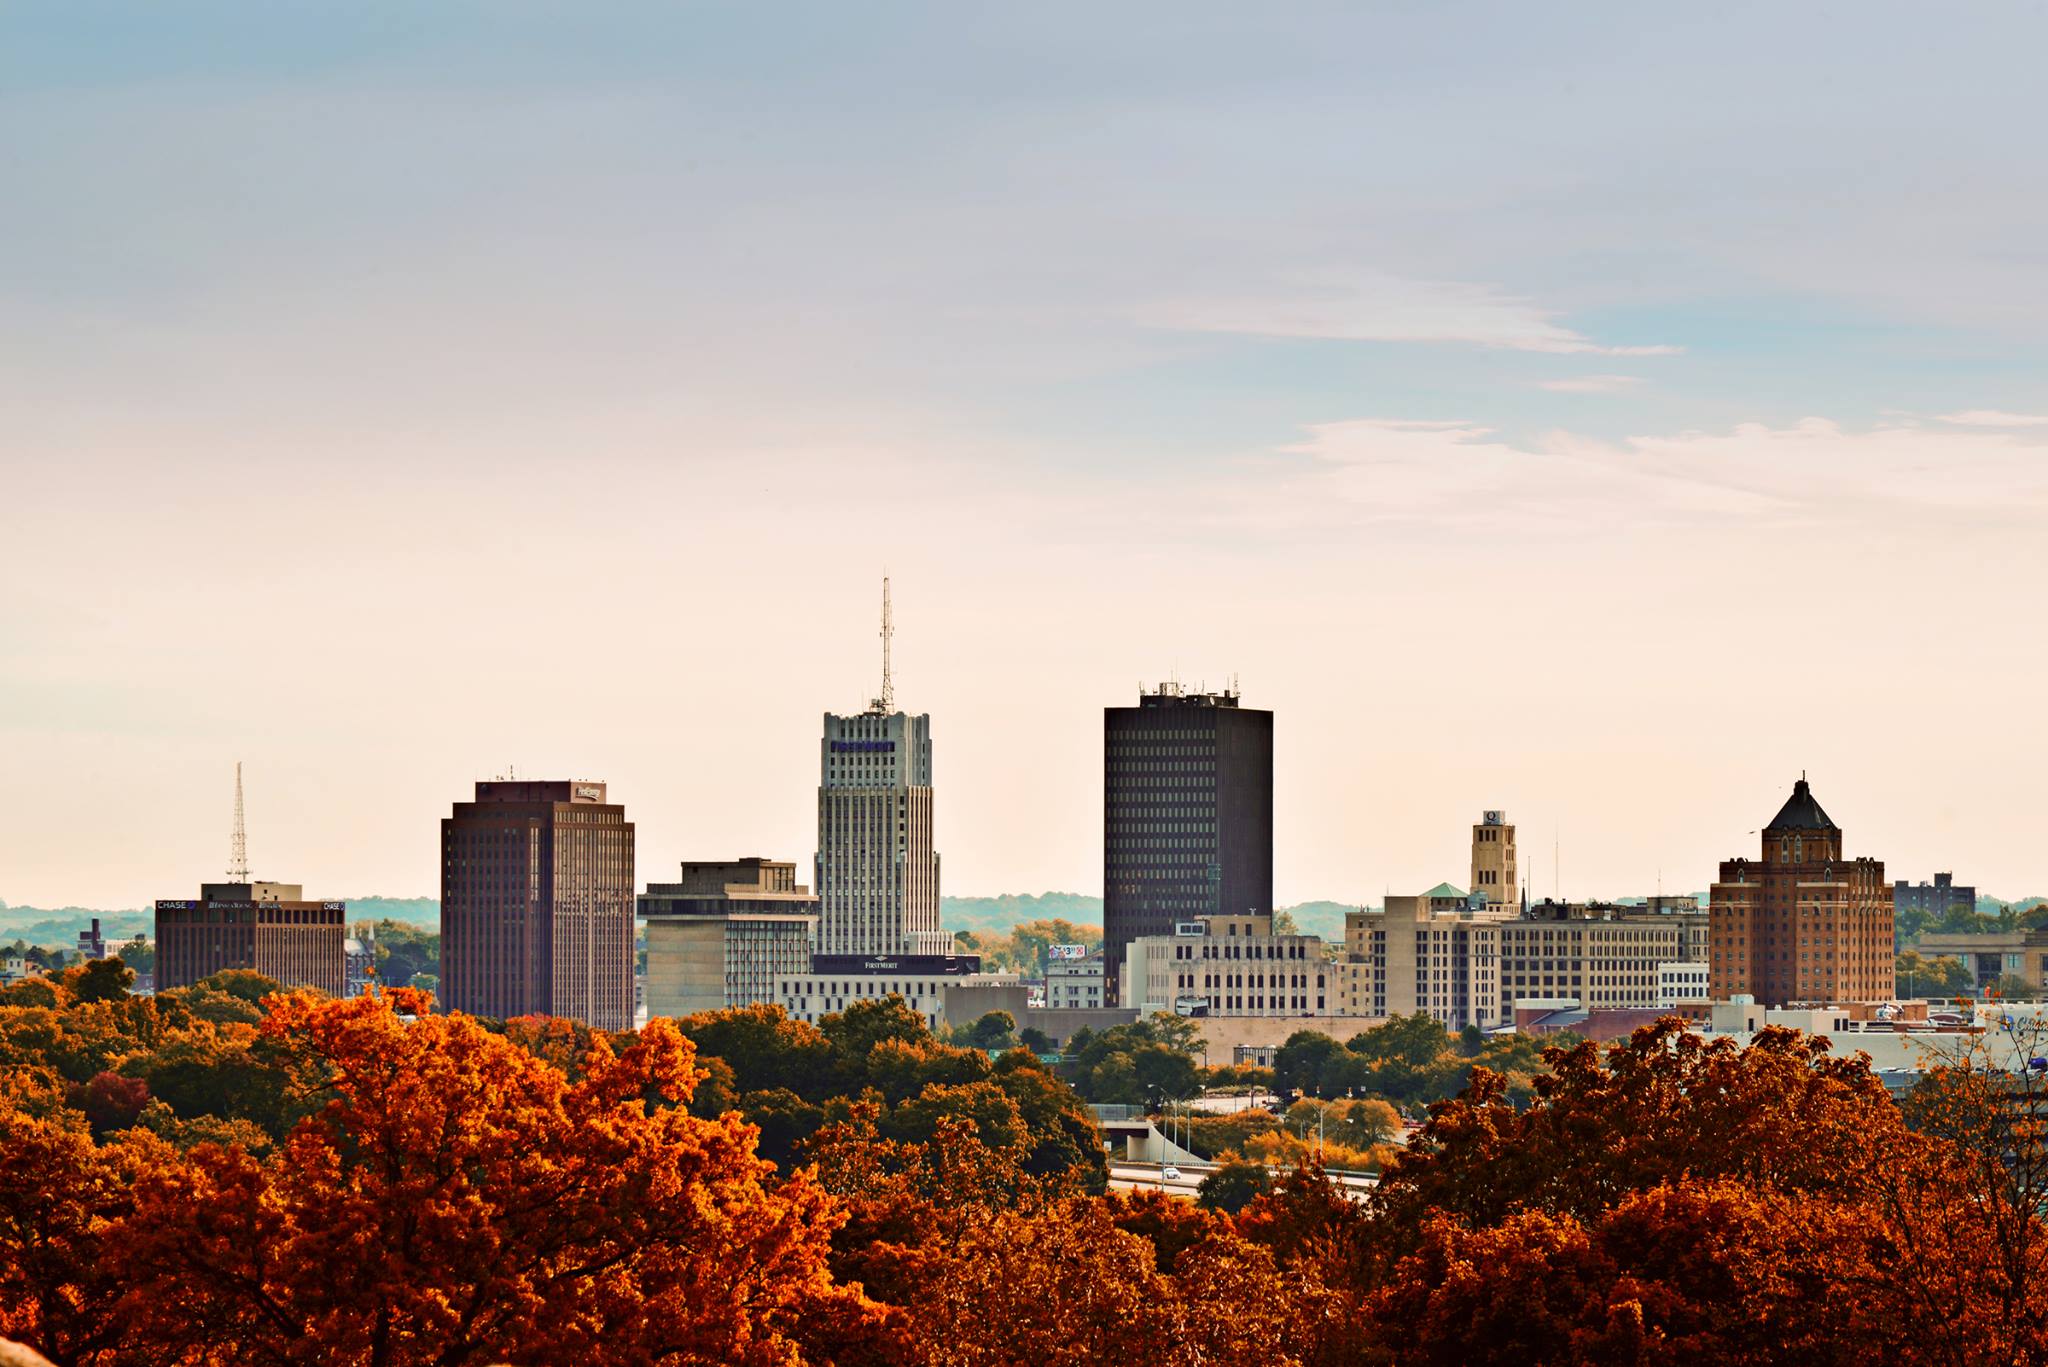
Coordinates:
877	865
1228	966
1496	871
1438	953
1603	955
1991	955
723	934
1075	984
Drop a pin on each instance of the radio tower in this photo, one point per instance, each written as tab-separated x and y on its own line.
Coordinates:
238	848
887	702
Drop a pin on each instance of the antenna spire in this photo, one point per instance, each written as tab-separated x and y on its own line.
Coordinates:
887	702
238	847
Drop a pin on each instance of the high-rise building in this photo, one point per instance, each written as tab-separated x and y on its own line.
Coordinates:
1804	923
723	933
537	904
269	927
1494	873
877	870
1187	815
877	865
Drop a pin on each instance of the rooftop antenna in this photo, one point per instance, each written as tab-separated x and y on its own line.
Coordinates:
238	846
887	702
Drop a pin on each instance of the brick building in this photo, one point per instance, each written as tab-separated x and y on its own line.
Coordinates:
1803	923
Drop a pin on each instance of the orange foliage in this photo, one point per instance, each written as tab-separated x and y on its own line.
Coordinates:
456	1198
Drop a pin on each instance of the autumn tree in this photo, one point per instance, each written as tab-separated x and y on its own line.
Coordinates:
480	1206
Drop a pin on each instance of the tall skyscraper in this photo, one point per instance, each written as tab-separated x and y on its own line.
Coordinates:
537	904
1494	873
1187	815
1803	923
877	868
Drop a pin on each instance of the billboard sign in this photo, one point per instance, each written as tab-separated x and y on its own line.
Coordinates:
1066	951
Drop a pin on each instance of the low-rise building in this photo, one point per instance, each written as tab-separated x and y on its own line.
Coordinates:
833	982
725	934
1074	981
1991	955
1228	966
268	927
1605	955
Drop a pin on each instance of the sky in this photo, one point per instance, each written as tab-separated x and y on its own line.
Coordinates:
1604	412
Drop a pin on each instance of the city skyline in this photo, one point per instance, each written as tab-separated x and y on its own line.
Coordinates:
1593	415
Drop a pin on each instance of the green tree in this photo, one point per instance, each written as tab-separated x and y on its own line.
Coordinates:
994	1030
100	980
1233	1186
1299	1062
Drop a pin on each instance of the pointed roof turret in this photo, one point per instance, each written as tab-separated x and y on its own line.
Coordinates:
1801	812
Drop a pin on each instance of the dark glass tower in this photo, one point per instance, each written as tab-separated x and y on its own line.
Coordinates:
1187	815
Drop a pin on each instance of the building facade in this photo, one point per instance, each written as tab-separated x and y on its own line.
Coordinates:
268	927
1988	955
1228	966
1495	874
1803	923
537	903
1074	981
877	864
1600	955
1437	953
1934	900
1187	820
723	934
924	981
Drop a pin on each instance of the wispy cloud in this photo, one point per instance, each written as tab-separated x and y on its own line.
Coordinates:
1447	475
1991	417
1385	308
1590	384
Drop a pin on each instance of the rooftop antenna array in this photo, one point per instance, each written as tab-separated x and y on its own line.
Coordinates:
238	844
887	702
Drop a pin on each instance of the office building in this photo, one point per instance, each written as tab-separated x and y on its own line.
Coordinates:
1600	955
1073	978
1494	873
1227	966
1803	923
723	933
537	903
877	860
1438	953
268	927
944	989
1988	955
1187	822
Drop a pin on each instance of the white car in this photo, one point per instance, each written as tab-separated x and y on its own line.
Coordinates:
1169	1173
